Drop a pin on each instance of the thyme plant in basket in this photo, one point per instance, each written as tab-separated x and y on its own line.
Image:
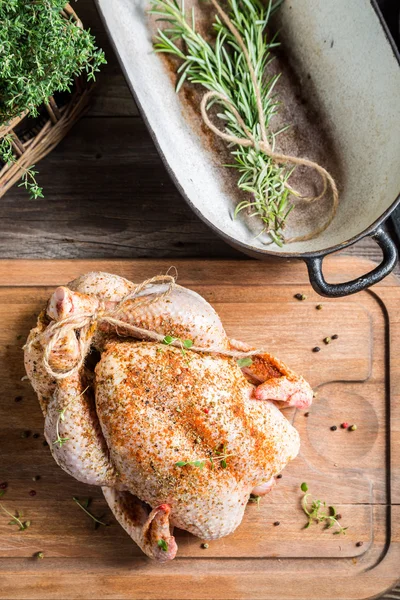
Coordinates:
42	50
233	67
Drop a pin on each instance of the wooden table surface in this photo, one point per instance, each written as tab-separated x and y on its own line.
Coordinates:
107	193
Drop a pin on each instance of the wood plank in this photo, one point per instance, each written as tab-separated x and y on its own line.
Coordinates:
107	194
194	273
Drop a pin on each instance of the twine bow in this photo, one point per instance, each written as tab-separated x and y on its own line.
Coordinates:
263	144
84	326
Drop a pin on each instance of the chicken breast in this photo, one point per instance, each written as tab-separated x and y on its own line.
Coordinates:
186	430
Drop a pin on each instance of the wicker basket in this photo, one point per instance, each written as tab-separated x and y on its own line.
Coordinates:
34	140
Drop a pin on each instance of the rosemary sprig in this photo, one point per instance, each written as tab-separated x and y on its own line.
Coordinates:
84	506
221	67
16	519
314	509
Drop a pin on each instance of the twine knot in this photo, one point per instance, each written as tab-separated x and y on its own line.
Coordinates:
263	144
83	326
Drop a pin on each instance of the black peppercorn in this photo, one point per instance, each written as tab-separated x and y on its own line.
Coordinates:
333	428
316	349
277	523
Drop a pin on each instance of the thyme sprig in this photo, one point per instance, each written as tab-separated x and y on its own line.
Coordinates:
254	499
184	344
84	505
28	179
316	513
247	361
16	519
41	53
221	67
163	545
61	417
219	456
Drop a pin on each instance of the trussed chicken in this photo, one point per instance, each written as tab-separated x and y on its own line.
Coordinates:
176	433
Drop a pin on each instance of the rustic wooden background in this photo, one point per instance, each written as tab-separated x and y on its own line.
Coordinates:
107	193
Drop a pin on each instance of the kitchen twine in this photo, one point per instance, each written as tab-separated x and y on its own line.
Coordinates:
86	324
263	144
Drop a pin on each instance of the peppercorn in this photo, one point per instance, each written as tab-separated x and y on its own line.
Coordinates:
36	478
327	340
205	410
359	544
333	428
36	436
316	349
45	443
32	493
277	523
298	296
25	434
18	398
353	427
344	425
319	307
205	546
335	337
3	485
279	476
338	517
307	414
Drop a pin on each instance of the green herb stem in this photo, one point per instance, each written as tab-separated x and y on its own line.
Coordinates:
314	509
15	519
95	519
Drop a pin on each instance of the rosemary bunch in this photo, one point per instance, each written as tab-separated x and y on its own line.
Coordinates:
220	66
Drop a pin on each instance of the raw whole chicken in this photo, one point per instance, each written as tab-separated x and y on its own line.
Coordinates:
145	395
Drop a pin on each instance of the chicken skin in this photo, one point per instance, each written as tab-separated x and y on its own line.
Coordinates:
174	436
159	408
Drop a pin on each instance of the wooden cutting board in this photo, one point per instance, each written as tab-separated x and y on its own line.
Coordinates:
356	379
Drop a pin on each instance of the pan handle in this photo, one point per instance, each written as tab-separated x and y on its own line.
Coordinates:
336	290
